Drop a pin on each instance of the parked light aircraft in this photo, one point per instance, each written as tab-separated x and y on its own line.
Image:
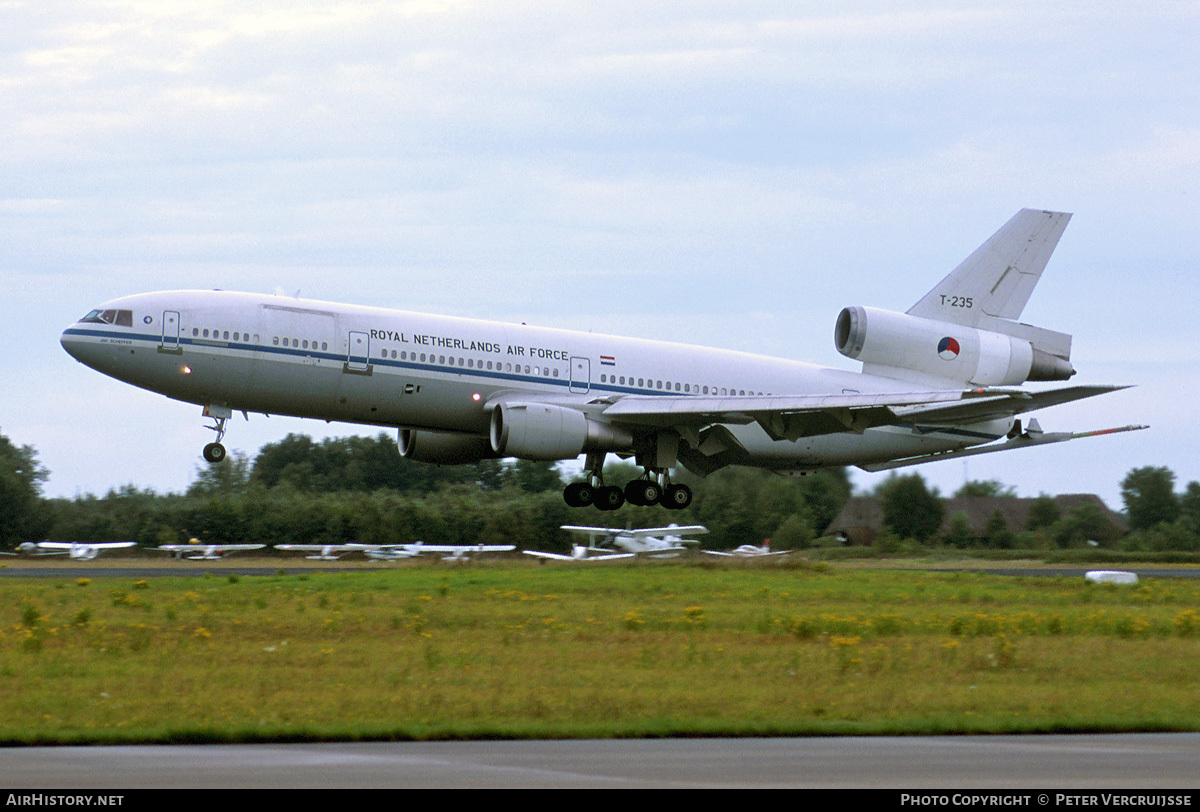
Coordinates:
324	552
610	544
448	552
75	550
580	552
748	551
937	381
392	552
206	552
657	542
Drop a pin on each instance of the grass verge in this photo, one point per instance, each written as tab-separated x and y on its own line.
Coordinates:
652	649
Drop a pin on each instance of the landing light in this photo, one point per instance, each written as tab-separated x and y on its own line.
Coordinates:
475	397
185	369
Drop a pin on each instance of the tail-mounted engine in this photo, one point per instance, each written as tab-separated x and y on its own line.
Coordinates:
896	345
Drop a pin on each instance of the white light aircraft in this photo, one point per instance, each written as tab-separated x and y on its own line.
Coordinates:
448	552
75	550
392	552
579	552
938	381
325	552
656	542
748	551
206	552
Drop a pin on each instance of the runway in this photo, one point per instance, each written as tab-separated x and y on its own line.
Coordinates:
1084	762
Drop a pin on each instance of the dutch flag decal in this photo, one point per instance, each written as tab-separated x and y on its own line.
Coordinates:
608	361
948	349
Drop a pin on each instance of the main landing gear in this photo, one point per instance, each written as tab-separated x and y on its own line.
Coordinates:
653	488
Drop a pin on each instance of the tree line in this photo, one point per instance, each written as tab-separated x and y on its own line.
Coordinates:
360	489
1156	517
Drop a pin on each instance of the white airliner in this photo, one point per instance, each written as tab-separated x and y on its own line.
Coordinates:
938	381
206	552
75	550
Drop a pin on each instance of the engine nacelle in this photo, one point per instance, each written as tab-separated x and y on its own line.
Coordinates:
544	431
889	343
442	447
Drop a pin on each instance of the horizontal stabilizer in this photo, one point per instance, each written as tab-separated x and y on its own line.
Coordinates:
997	404
1026	440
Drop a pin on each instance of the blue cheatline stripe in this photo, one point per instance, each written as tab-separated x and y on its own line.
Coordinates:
156	340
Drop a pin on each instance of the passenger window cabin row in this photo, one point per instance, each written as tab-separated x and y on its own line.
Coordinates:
668	386
470	363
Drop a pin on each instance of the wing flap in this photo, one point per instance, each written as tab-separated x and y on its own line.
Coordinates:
783	417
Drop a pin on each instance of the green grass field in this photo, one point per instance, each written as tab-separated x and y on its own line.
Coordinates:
515	650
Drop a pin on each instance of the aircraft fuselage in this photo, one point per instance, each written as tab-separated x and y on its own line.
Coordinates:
337	362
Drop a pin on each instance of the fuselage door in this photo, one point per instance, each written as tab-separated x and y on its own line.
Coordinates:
581	375
170	331
358	358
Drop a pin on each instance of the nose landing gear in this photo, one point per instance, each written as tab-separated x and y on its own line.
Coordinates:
215	452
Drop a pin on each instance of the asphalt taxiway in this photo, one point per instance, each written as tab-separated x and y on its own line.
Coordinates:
1057	762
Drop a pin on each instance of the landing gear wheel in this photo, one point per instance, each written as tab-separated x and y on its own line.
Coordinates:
579	494
609	497
642	492
677	497
214	452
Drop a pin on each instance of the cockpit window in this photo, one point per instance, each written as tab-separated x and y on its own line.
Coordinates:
121	318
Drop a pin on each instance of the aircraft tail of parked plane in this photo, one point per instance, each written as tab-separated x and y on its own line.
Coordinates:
938	381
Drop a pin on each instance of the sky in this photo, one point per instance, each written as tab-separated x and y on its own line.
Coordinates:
723	174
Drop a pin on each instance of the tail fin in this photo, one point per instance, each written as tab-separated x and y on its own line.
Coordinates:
998	278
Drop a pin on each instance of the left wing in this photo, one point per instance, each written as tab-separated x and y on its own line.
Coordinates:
657	532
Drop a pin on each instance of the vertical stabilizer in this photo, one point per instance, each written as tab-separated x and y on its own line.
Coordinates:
998	278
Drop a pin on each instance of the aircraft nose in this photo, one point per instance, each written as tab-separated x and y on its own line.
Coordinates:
79	347
71	343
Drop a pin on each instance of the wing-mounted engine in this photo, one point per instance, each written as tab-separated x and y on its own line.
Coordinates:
997	352
546	431
443	447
